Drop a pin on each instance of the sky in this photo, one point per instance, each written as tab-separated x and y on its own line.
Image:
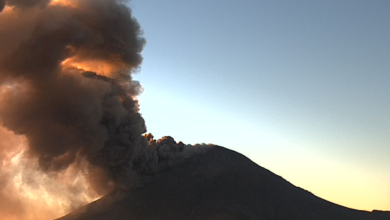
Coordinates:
302	87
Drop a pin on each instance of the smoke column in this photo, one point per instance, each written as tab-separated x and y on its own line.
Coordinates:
69	123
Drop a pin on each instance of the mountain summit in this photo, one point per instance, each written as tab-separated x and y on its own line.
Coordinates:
219	184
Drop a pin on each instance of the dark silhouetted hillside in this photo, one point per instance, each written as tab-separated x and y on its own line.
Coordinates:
220	184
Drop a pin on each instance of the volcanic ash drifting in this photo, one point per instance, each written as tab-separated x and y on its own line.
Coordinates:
70	125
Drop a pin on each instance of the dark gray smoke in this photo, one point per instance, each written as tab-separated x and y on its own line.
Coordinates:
66	86
62	110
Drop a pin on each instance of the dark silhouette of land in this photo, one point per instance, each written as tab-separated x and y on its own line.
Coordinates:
220	184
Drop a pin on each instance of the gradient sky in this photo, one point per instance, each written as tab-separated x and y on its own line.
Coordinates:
300	87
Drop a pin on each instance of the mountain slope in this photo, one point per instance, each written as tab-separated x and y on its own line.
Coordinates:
220	184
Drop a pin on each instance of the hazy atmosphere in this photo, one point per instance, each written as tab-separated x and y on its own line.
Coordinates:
300	87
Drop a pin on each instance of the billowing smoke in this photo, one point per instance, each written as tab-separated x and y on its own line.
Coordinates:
68	112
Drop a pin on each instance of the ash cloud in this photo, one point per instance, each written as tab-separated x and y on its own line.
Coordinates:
24	3
57	108
66	87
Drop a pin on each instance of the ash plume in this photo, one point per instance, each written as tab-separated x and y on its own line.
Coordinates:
66	89
23	3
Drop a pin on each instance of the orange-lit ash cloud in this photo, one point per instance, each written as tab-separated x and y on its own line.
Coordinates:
70	130
29	193
69	3
101	67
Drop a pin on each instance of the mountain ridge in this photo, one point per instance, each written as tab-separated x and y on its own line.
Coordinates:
219	184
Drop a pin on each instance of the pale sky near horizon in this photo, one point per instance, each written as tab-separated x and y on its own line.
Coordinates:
300	87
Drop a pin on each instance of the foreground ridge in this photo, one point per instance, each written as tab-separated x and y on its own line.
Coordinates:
220	184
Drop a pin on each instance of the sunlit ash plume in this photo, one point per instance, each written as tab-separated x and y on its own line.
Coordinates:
70	128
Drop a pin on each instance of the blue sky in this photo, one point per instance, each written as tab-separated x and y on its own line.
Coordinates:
300	87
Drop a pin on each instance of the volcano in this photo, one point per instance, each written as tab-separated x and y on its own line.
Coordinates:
71	131
217	184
